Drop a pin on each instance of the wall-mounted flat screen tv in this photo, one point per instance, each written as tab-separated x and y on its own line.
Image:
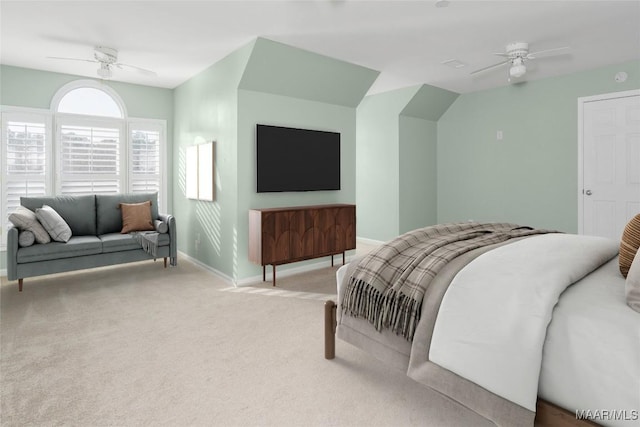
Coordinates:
291	159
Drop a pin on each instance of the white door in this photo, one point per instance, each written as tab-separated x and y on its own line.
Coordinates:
610	193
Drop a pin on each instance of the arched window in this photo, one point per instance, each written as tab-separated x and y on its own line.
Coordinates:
89	101
84	144
88	97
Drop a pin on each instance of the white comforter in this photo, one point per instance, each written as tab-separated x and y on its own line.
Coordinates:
492	321
591	357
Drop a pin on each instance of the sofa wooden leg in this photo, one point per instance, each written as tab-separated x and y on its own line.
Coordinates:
329	330
19	285
165	262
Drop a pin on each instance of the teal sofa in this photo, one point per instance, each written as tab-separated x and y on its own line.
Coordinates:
95	222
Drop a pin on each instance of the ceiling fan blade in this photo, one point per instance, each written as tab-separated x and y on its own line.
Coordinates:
491	66
534	55
506	55
139	69
72	59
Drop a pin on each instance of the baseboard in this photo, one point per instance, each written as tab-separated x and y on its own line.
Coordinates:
284	272
210	269
368	241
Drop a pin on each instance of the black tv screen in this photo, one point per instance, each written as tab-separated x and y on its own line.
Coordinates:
291	159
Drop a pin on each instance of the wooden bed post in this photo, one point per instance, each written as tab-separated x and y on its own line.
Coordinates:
329	330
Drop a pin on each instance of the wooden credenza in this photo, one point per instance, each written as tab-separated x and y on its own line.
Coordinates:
284	235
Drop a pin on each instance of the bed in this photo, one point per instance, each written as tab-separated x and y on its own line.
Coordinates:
536	322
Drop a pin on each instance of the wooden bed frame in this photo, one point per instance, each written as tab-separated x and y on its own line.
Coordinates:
547	414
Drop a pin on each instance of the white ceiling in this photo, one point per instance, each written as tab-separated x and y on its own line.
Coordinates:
406	41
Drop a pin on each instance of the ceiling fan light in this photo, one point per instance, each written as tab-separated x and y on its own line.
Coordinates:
517	70
104	71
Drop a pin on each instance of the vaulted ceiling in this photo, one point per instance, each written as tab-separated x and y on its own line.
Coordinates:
407	41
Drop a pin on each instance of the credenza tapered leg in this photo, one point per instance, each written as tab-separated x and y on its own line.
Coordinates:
274	274
264	273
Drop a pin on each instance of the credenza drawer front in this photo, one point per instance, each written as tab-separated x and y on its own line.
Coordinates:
276	235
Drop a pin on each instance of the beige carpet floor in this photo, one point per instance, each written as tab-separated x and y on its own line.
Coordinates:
140	345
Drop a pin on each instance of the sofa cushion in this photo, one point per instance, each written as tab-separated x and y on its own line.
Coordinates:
75	247
79	212
115	242
109	215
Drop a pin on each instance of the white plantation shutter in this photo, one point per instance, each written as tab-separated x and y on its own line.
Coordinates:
89	159
145	161
25	166
146	145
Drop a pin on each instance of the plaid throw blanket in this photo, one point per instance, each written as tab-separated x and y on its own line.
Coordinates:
388	284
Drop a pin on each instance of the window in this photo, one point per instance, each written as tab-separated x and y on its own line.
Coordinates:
98	149
89	157
146	161
89	101
25	170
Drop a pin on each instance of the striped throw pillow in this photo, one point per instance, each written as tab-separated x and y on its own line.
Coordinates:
629	244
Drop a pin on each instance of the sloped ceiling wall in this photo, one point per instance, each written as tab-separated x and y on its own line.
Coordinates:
288	71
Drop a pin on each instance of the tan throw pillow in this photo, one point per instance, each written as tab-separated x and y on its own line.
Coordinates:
632	285
136	217
629	244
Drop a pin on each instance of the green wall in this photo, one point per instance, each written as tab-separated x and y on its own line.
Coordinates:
25	87
531	176
378	163
417	173
265	108
268	83
396	165
291	87
206	109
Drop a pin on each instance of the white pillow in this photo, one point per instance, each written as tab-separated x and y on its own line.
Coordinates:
55	225
632	286
25	219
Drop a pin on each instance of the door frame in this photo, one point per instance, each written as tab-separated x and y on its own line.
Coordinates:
581	103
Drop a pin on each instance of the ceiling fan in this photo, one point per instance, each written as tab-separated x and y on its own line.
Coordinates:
517	54
107	58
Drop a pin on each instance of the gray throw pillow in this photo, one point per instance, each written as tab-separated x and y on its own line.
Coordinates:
55	225
26	238
161	226
632	286
25	219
